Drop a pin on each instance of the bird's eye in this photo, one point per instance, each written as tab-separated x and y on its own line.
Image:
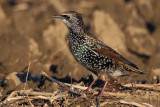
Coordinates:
66	17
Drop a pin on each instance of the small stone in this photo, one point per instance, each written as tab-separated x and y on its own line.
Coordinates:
156	74
155	79
13	77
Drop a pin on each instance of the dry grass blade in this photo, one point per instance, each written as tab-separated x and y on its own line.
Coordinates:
18	96
29	65
132	103
117	94
76	86
154	87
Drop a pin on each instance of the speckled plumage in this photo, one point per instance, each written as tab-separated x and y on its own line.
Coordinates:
91	52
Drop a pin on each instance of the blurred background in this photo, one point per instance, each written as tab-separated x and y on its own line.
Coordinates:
27	34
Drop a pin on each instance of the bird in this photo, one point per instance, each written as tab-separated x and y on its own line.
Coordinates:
92	53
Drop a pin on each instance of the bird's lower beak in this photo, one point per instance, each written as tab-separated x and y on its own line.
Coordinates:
57	16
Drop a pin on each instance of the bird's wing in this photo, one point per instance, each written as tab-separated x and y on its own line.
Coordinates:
110	53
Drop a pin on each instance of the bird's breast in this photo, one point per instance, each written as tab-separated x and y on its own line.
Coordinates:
90	59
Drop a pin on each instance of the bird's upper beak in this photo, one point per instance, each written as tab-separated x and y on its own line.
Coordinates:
57	16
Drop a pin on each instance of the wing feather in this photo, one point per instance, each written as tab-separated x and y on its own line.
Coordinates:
108	52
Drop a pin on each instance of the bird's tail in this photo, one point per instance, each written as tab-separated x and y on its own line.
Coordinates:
133	69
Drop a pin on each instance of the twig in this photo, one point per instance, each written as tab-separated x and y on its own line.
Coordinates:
29	101
76	86
118	94
17	98
104	103
128	103
32	95
154	87
131	103
11	95
29	65
30	92
147	104
60	83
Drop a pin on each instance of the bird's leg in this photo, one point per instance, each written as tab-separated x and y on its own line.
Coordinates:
103	87
107	77
88	89
95	79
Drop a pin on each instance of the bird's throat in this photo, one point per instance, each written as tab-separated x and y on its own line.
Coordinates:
78	30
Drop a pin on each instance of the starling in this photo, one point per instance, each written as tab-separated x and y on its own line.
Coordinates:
91	52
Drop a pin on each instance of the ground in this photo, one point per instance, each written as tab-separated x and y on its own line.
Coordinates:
29	38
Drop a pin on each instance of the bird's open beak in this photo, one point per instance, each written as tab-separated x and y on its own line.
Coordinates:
57	16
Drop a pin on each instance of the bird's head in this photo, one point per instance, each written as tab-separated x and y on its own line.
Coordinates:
70	19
